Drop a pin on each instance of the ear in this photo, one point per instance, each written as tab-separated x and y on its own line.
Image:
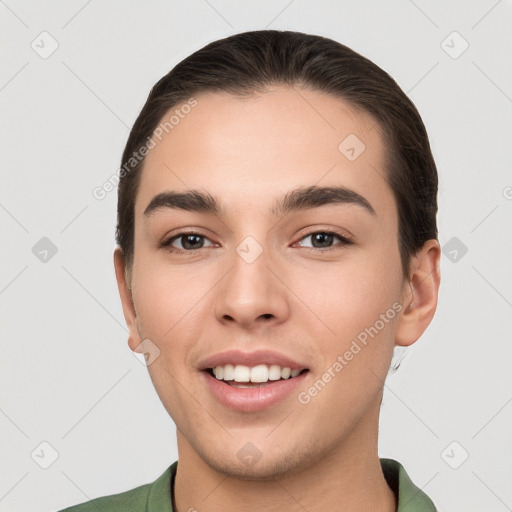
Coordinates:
419	295
134	339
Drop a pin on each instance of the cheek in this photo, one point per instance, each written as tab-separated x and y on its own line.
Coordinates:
345	298
167	299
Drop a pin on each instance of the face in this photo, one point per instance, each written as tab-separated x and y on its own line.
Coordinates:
312	284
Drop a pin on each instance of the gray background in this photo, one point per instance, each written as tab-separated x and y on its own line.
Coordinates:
68	377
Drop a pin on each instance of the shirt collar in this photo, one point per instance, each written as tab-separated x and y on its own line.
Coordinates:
410	498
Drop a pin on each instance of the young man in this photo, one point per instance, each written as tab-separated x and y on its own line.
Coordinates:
277	239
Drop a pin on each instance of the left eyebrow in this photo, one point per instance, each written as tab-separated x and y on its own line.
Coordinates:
302	198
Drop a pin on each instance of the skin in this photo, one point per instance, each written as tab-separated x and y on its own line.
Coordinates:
306	304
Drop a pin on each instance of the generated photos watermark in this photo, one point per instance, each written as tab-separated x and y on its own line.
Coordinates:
110	184
358	343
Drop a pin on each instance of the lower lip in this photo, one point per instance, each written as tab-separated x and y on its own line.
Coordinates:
254	398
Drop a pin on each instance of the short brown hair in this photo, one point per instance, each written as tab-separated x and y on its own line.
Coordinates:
249	62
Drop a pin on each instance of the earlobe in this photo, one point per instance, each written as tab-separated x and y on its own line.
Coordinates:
125	294
420	294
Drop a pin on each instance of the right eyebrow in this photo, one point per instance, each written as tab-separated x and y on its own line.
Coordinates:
191	201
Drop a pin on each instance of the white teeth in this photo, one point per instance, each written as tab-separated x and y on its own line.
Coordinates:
274	372
242	373
229	372
260	373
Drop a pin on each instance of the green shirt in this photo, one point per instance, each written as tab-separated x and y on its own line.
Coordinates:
156	496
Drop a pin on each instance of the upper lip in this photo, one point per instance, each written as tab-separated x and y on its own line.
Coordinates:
255	358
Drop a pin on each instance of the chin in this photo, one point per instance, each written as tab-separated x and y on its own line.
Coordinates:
264	467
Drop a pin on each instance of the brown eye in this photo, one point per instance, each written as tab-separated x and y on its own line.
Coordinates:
322	240
189	242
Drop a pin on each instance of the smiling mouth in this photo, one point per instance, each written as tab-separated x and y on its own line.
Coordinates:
242	377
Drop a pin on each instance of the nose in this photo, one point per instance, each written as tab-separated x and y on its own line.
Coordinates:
252	295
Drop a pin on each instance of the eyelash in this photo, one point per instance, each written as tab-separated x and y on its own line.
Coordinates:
167	243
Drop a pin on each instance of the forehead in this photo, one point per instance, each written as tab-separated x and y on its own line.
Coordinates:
249	151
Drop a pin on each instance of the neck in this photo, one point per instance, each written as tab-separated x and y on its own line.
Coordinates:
345	477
